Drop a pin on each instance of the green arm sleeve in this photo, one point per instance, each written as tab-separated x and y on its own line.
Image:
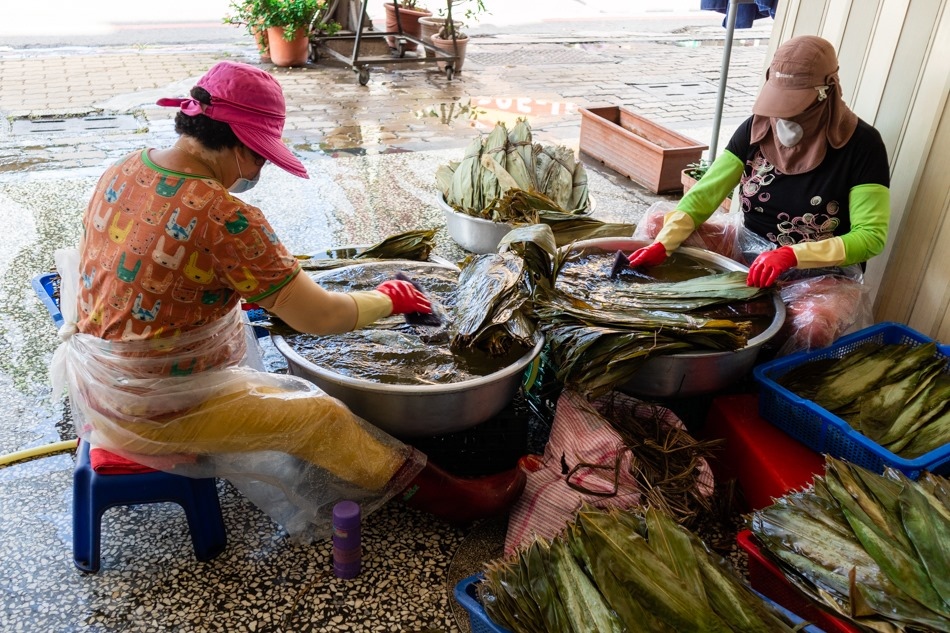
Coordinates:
720	179
870	209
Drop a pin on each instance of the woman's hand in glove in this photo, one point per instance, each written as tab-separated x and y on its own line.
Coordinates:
405	297
769	265
652	255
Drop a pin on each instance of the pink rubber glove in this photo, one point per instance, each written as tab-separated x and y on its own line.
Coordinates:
406	299
652	255
769	265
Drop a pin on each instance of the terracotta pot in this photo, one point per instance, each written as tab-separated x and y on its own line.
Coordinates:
456	48
260	36
430	26
409	19
295	52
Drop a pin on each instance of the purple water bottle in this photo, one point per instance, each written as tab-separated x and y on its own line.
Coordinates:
346	539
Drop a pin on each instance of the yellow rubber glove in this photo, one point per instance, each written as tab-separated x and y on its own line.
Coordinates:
371	306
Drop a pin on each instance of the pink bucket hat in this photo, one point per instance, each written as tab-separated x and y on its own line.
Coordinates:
252	103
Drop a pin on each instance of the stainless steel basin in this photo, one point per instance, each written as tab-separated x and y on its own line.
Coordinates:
691	373
478	235
416	410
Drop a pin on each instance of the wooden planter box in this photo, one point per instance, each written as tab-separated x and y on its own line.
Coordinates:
648	153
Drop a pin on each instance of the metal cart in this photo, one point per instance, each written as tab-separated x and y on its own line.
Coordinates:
360	65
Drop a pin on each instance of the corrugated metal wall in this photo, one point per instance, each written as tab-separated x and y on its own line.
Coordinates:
895	71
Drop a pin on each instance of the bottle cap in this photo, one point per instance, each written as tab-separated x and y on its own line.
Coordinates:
346	515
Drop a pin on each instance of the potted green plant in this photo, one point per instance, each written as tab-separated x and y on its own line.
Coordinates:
410	12
282	27
449	36
250	15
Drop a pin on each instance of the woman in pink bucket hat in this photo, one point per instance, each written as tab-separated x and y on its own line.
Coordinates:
154	351
813	189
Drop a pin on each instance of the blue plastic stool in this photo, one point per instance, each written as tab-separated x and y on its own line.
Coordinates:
94	493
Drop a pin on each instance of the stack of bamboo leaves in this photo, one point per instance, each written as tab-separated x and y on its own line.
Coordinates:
412	245
871	548
494	295
896	394
615	571
596	346
600	345
505	177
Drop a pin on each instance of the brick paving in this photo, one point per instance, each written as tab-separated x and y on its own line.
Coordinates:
670	77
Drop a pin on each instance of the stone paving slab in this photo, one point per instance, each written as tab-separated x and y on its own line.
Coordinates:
328	111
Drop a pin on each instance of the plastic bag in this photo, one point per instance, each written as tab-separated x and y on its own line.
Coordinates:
822	308
718	234
288	446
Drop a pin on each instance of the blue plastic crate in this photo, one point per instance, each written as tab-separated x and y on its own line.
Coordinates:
824	432
46	287
480	623
465	595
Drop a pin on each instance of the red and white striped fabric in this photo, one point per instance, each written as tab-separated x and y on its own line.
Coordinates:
580	435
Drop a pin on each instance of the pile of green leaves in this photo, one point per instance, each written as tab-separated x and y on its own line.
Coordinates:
598	346
617	571
411	245
897	395
495	292
871	548
550	178
595	346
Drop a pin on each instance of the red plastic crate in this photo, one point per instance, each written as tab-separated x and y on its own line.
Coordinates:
765	461
766	578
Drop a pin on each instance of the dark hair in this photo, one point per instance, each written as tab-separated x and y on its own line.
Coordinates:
212	134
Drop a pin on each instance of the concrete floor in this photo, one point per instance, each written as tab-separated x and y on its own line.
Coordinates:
372	153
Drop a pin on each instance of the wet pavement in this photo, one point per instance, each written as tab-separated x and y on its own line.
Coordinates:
372	153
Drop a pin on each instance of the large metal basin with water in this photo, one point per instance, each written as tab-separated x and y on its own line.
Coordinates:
416	410
691	373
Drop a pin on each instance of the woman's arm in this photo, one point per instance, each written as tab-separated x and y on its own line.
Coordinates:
870	209
701	201
305	306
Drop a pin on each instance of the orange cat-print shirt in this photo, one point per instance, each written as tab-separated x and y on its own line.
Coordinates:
165	252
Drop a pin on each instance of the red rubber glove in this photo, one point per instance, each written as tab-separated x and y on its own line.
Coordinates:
405	297
769	265
652	255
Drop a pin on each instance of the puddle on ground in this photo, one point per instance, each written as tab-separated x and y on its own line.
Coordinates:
485	111
347	137
350	149
526	106
448	113
18	163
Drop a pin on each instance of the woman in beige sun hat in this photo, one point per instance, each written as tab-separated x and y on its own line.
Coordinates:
813	187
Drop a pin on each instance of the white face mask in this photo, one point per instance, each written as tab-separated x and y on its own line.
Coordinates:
243	184
789	133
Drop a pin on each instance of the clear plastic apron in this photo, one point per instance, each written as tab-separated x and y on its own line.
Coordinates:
287	446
